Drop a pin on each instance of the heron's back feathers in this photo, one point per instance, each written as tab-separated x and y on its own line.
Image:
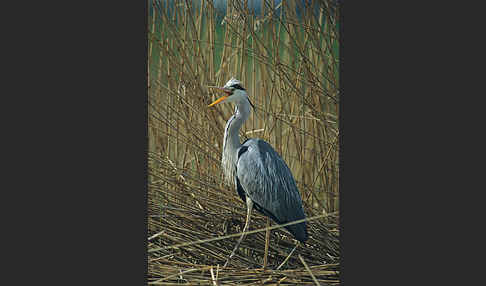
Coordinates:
263	175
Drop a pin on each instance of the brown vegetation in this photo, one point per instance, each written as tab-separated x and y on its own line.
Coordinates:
289	67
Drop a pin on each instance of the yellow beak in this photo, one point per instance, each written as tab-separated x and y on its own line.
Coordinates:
221	98
218	100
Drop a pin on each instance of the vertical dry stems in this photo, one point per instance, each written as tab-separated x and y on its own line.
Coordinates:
289	67
288	64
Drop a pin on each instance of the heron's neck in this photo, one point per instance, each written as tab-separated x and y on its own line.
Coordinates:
231	137
232	140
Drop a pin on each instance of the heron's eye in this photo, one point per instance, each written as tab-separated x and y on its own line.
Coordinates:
237	86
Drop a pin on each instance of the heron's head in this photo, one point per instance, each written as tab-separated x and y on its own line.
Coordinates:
234	93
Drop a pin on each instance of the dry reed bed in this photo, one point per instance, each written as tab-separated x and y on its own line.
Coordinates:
186	209
214	275
289	68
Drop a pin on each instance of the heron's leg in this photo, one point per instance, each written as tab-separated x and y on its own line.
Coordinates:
267	243
249	207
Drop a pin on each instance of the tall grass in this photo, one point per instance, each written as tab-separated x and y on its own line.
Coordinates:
289	66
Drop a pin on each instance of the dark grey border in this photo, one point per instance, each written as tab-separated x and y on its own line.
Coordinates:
82	189
395	190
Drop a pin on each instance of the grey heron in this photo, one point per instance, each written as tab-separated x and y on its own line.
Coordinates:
261	177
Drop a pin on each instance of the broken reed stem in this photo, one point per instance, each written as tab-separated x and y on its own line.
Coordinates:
308	270
267	242
215	280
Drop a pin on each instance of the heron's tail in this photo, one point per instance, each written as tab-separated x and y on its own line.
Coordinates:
299	231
